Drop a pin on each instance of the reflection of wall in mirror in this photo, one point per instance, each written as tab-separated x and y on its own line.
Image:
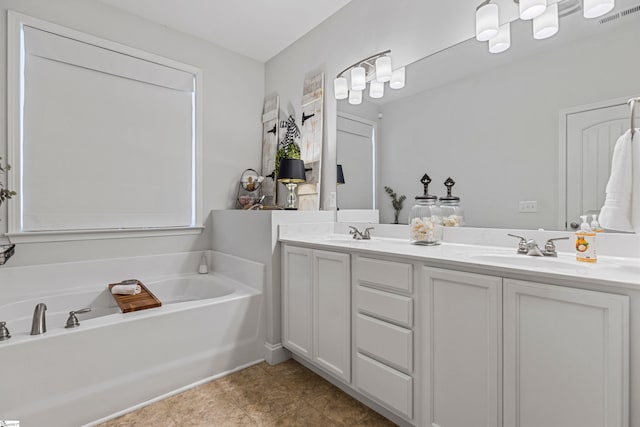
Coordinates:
497	132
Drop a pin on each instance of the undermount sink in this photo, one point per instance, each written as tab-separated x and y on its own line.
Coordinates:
530	261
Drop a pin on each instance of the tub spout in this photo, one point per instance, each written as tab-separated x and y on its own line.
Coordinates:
39	324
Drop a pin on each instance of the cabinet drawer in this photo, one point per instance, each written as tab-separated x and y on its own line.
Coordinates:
388	343
389	387
389	274
395	308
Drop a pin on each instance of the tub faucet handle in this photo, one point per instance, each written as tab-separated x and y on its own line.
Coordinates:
4	332
72	321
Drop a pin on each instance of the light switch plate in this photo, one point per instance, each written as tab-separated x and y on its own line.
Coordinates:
332	199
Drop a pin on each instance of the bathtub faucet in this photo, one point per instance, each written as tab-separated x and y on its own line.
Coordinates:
39	324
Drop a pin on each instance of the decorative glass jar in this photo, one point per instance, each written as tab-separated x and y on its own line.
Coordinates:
425	221
452	212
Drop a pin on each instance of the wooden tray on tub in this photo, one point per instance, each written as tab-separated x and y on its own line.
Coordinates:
141	301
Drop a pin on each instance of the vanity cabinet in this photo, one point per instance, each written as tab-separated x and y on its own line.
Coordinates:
317	307
462	348
514	353
565	356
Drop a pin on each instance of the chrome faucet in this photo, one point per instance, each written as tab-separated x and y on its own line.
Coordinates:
360	235
39	323
530	247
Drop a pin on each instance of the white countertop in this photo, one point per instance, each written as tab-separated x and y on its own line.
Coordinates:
494	260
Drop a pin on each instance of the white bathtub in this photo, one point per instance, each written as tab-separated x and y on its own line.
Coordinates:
112	362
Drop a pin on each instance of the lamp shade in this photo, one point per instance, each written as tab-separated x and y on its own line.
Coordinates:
397	78
340	179
502	41
291	171
596	8
383	69
358	78
376	89
340	88
529	9
546	25
355	97
487	22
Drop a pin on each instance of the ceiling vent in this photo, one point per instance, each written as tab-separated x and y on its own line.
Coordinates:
619	15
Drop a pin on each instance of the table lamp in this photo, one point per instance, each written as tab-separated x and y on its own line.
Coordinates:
291	173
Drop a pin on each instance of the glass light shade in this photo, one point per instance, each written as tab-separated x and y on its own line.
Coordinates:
487	22
502	41
383	69
358	78
597	8
397	79
355	97
376	89
546	25
529	9
340	88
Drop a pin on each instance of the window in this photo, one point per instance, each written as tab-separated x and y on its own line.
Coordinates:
103	137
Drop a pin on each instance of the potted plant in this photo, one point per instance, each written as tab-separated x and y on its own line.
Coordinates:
5	193
396	202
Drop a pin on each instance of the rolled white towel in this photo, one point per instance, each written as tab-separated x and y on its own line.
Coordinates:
126	289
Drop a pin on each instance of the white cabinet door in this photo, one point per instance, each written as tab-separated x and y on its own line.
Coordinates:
332	312
565	357
462	340
297	294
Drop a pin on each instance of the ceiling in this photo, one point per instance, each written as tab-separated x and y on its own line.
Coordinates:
259	29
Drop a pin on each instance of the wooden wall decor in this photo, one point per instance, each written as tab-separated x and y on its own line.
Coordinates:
270	133
311	141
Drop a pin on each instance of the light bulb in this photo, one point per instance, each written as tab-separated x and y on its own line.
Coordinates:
358	78
340	88
546	25
383	69
529	9
376	89
597	8
502	41
397	79
487	22
355	97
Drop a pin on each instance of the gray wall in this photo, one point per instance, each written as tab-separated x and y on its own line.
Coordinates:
233	94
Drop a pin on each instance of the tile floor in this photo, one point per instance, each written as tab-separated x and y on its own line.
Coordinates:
287	394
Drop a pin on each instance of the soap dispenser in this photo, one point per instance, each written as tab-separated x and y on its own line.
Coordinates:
595	225
203	268
452	213
586	242
425	221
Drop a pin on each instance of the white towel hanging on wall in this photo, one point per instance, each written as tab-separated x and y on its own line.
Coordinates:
621	210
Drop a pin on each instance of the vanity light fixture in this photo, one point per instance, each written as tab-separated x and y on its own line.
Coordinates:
529	9
487	21
502	41
397	78
596	8
546	25
544	13
375	70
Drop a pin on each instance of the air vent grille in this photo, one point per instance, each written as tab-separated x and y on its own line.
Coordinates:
619	15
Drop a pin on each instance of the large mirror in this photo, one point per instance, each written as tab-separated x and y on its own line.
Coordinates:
526	134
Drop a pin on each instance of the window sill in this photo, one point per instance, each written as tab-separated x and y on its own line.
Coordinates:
75	235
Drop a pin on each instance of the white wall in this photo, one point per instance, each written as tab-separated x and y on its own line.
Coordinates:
233	94
496	133
412	29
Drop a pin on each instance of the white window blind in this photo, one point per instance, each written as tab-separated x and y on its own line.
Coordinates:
108	138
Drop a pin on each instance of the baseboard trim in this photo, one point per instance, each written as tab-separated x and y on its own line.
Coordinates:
275	353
